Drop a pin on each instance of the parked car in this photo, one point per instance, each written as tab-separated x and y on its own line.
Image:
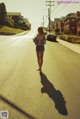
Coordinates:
52	37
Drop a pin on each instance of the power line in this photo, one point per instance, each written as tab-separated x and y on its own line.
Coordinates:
55	8
56	12
60	10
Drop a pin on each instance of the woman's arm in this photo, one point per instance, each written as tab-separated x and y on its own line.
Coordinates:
44	40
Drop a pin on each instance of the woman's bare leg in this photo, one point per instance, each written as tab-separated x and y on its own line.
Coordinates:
40	59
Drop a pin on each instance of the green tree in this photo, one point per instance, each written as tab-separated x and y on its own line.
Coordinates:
2	13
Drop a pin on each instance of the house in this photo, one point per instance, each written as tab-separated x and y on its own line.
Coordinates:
78	26
14	15
61	24
19	20
56	23
70	24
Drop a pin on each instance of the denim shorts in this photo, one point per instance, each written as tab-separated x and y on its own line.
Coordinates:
40	48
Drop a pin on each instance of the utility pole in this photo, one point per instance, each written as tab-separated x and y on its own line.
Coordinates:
50	4
42	23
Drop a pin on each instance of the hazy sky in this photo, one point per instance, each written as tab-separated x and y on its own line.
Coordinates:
34	10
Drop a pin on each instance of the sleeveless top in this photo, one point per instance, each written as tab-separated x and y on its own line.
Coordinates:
39	40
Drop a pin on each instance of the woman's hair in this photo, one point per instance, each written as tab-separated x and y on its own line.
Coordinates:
40	30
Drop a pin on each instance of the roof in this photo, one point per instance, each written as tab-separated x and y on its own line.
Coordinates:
56	20
14	13
71	15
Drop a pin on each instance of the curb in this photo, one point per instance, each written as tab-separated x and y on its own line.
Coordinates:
74	47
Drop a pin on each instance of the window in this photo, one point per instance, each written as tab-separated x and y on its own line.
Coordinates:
72	19
78	24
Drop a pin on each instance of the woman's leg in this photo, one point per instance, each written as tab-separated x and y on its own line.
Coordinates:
40	59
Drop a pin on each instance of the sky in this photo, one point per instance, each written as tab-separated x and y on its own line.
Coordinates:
36	10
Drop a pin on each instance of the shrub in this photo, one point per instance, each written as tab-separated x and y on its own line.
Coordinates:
9	22
67	31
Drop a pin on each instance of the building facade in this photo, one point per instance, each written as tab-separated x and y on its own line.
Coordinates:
78	26
70	23
19	20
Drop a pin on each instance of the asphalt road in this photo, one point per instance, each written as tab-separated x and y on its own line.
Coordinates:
27	94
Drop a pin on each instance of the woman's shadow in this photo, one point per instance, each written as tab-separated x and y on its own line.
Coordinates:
54	94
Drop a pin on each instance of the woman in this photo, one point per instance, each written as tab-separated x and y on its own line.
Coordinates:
39	41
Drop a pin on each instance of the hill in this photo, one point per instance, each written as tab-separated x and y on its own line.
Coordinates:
4	30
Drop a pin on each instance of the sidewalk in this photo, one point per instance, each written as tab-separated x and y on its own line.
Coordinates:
74	47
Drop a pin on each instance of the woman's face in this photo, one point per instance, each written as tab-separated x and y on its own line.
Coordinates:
40	30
